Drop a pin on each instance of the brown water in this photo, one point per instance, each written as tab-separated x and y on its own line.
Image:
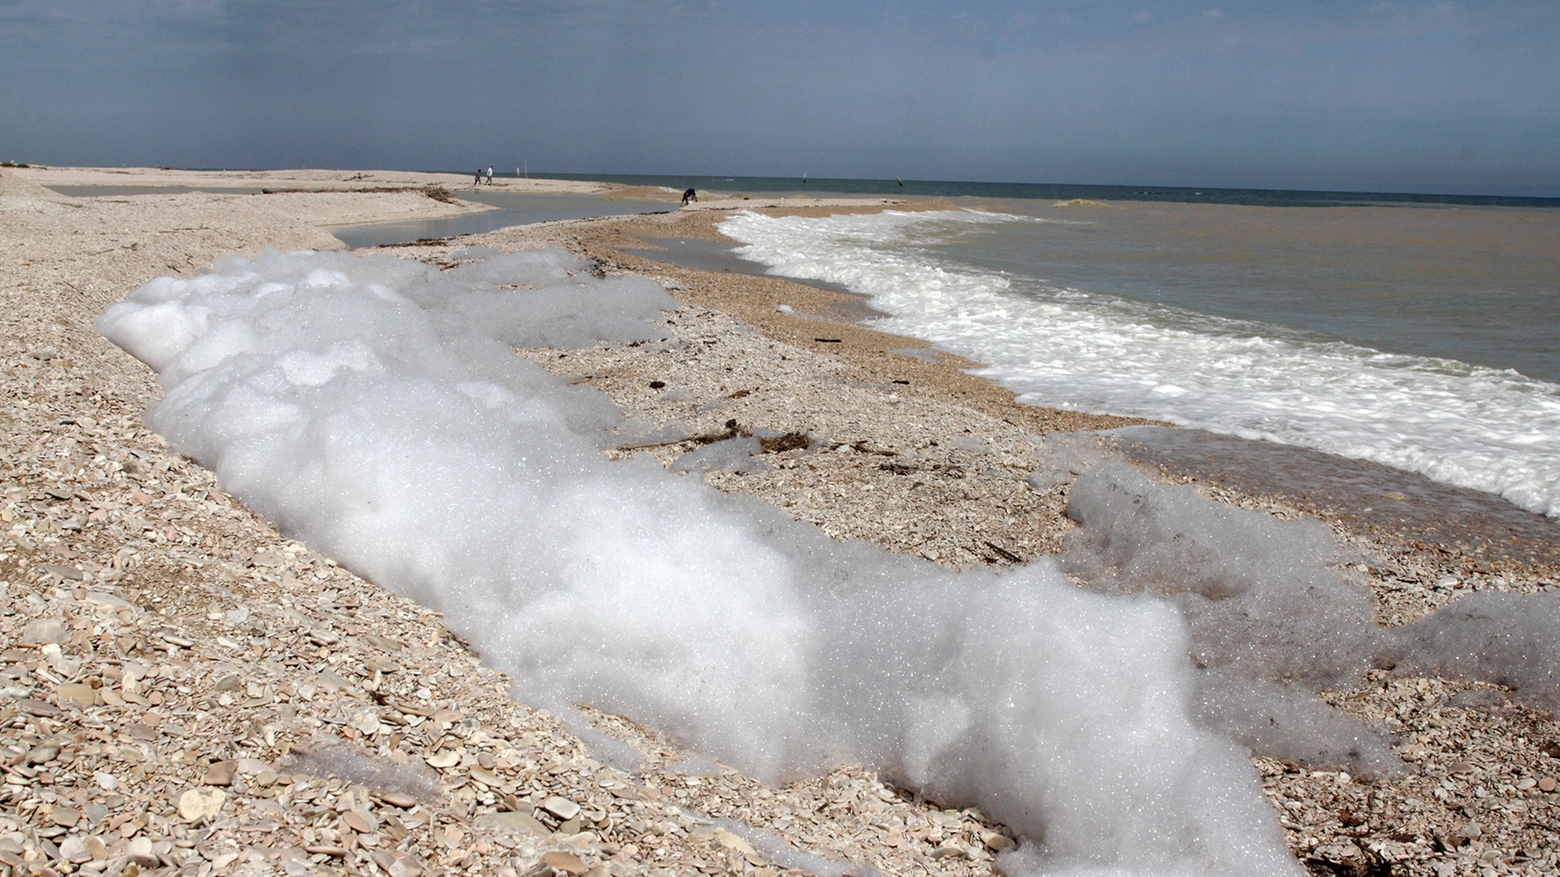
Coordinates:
1420	337
1478	285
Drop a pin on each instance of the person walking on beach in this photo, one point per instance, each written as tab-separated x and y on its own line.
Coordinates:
490	175
690	195
478	180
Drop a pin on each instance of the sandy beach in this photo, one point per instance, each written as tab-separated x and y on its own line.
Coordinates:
187	691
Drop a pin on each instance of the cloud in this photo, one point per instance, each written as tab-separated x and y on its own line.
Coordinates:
996	91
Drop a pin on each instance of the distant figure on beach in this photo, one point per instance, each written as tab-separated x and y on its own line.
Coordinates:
490	175
690	195
478	180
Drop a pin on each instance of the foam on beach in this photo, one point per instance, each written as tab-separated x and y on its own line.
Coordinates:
368	407
373	408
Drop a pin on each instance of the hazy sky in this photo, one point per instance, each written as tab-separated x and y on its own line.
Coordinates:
1459	97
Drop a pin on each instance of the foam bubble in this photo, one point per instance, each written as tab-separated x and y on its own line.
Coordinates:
1509	639
1256	591
374	410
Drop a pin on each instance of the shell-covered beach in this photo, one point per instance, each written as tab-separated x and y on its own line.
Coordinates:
188	691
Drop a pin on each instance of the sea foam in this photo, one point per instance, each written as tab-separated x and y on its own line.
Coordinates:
370	408
374	409
1471	426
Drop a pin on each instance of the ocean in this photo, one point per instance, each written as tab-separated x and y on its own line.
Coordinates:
1415	331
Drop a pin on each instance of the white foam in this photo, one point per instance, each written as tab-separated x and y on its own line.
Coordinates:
371	408
1471	426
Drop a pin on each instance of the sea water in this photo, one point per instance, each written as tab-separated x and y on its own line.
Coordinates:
1417	336
512	208
509	209
1415	331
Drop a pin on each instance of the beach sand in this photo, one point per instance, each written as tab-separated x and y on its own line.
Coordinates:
186	689
312	179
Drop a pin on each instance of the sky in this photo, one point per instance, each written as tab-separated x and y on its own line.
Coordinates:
1445	97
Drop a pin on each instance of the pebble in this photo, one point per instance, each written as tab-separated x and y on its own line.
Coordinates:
511	820
444	758
397	799
140	852
77	694
73	849
42	754
251	766
733	842
220	773
108	601
996	841
198	804
562	808
45	630
357	822
40	708
568	863
405	866
367	723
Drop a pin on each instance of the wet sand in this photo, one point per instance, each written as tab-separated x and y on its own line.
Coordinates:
1484	533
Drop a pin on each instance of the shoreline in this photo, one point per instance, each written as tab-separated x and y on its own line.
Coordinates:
1527	548
162	585
753	299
